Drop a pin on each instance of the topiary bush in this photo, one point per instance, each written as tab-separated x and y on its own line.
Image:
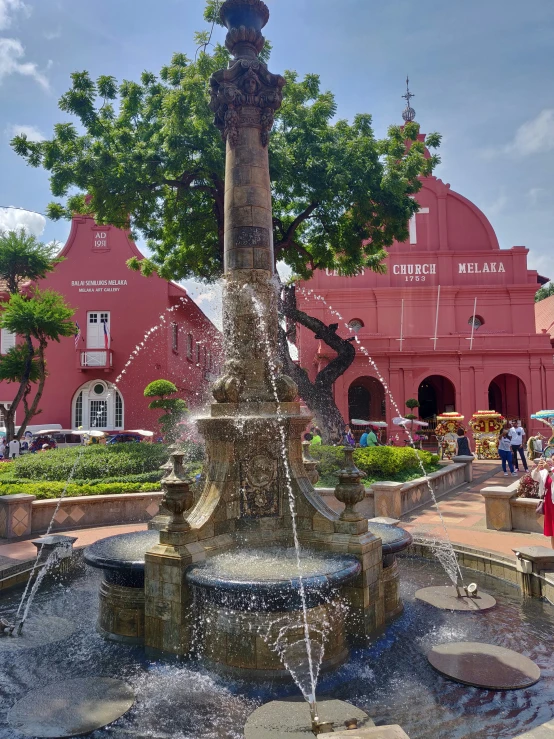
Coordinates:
97	461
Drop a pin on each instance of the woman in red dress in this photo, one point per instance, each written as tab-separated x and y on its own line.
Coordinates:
543	474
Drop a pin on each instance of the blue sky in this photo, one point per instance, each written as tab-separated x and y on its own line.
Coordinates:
482	73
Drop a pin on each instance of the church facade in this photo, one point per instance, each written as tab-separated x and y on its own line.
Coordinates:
451	323
132	330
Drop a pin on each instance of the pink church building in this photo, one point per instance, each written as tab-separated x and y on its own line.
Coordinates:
451	323
132	330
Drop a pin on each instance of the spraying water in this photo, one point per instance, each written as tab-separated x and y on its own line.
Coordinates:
443	549
313	665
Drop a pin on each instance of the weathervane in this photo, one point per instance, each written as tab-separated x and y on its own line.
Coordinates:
408	114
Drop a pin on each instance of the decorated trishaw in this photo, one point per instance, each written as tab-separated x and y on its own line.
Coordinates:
445	431
547	417
486	426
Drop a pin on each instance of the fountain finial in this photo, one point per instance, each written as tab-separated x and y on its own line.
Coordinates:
350	489
178	496
244	20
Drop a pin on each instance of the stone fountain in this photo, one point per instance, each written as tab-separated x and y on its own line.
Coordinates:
230	562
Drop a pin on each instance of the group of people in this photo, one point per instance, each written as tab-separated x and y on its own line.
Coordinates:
15	448
510	445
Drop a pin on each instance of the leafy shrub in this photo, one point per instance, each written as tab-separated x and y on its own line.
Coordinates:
97	461
379	463
385	462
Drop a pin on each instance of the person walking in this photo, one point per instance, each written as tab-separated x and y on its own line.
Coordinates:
462	444
543	474
505	451
517	433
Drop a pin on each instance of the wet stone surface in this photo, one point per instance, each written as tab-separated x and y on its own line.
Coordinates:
291	719
394	538
71	707
484	665
446	597
269	579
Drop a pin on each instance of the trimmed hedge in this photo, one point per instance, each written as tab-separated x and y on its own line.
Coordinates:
44	490
379	463
96	462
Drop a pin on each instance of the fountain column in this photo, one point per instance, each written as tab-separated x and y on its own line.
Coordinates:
255	474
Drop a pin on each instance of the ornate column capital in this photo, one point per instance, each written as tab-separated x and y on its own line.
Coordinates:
246	93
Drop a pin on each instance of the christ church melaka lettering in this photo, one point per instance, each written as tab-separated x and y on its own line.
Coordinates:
99	286
415	272
475	268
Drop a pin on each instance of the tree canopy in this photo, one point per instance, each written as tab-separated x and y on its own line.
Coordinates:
23	258
544	292
148	156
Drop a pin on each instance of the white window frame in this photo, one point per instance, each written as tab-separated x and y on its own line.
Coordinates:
108	395
8	341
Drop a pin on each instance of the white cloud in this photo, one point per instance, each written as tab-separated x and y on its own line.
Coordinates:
52	35
532	137
11	53
12	219
535	194
32	133
8	8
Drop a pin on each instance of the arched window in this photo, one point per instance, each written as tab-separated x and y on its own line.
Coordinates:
355	325
477	322
98	404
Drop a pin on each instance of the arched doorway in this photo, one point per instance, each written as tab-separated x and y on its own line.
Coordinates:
436	395
507	395
366	400
97	404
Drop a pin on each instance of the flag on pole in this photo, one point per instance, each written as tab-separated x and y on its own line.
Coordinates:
106	337
77	336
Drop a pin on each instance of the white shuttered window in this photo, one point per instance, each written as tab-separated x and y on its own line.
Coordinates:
7	341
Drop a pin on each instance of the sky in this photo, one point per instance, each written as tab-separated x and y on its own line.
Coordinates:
482	74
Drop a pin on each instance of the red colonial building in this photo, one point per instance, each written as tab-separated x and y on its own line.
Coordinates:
451	323
132	330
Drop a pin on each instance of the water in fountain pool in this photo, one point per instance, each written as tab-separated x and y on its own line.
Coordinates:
391	680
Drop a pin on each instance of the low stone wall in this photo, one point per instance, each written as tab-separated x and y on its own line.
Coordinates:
394	499
22	515
506	512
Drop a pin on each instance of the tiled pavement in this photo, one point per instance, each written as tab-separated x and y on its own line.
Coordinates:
463	512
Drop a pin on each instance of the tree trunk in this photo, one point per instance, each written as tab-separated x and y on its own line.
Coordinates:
9	413
318	395
31	411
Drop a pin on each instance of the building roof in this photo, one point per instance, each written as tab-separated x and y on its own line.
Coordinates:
544	316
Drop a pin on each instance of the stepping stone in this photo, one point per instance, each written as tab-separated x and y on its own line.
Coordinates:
291	718
484	665
71	707
446	598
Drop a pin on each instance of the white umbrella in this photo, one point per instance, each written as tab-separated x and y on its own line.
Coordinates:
88	432
399	421
141	432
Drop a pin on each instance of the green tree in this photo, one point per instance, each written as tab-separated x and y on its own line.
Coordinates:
149	157
544	292
39	317
23	260
174	408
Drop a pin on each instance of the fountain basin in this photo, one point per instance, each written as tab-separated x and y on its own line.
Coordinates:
394	540
249	609
121	558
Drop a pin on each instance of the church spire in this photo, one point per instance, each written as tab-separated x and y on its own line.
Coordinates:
408	114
